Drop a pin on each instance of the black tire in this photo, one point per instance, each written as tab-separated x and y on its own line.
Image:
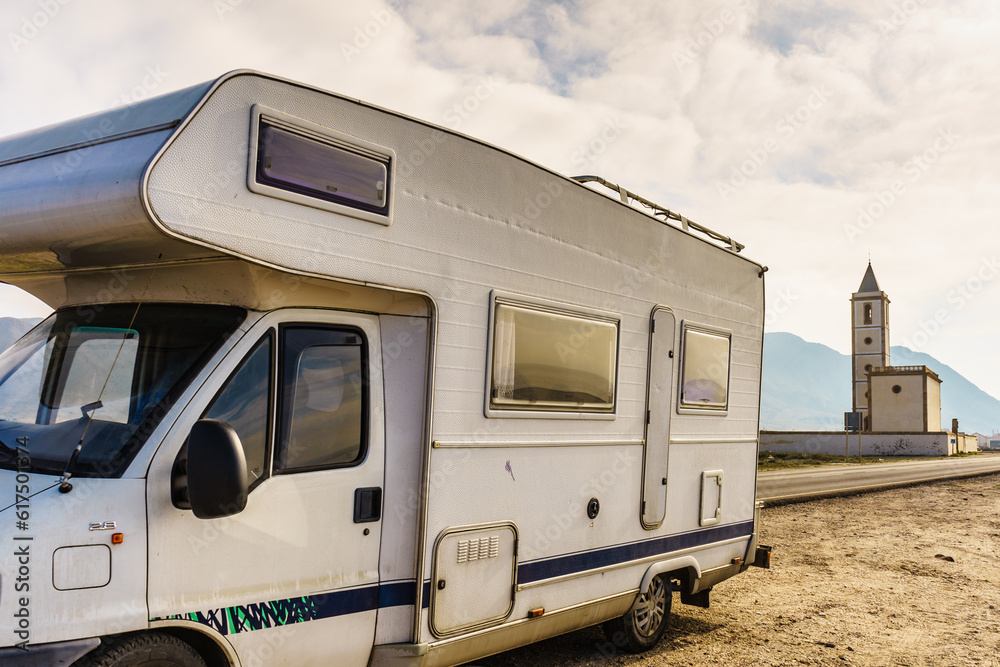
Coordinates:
150	649
640	629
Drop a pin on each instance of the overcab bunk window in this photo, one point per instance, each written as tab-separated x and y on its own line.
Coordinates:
312	165
705	369
545	359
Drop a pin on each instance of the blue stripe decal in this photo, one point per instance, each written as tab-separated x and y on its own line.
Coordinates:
398	594
279	613
600	558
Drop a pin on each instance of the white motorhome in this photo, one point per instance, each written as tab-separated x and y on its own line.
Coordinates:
326	384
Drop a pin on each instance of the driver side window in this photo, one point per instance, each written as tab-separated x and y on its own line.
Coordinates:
244	403
323	401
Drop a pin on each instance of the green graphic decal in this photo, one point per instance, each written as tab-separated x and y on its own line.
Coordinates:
278	613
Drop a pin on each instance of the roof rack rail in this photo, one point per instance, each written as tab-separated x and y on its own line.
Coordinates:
658	210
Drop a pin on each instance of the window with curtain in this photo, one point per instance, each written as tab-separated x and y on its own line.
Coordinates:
555	361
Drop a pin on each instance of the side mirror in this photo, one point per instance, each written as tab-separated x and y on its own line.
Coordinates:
216	470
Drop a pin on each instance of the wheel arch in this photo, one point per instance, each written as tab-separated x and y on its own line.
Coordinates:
213	647
685	568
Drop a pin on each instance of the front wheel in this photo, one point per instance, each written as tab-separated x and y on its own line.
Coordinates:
641	628
151	649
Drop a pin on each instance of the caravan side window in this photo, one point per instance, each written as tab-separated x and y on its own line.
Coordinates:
550	360
705	368
324	399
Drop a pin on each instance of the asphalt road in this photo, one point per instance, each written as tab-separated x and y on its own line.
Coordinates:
785	485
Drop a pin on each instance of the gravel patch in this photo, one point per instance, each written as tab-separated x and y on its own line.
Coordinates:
901	577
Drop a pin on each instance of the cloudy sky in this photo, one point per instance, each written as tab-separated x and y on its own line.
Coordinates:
816	133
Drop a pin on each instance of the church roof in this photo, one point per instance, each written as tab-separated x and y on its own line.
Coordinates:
868	283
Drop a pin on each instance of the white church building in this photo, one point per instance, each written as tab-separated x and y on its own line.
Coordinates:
899	406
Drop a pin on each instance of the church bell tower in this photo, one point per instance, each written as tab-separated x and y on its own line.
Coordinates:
870	342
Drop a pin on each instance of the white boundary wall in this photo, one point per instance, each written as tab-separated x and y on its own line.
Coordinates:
872	444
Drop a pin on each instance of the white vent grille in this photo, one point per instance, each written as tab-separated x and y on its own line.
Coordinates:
475	570
479	548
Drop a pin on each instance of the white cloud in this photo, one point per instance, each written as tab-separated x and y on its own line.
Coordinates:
18	303
696	90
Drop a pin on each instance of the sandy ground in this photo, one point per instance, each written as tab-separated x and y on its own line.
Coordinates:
903	577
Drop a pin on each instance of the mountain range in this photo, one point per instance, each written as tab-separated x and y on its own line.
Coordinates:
12	328
806	386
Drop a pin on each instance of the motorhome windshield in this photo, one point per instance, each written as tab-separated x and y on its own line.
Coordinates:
107	374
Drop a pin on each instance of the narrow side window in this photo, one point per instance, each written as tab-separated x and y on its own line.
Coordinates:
324	399
705	369
245	404
552	361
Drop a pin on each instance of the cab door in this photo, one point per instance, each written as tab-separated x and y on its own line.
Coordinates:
293	578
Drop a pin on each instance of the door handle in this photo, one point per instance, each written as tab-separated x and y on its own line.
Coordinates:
367	504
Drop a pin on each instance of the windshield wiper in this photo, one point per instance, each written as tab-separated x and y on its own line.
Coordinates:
91	407
88	411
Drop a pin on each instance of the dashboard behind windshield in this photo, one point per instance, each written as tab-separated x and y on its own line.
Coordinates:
103	374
